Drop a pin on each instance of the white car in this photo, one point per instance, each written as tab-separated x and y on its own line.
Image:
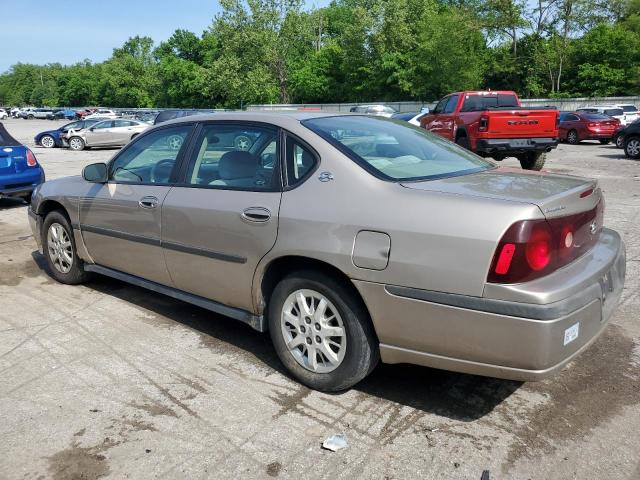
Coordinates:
102	113
412	117
613	111
631	113
3	114
107	133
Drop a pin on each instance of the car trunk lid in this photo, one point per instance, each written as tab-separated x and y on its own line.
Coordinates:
555	195
12	160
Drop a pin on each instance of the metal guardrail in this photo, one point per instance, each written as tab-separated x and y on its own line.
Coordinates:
413	106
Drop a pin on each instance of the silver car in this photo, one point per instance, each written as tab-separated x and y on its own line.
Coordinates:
107	133
382	243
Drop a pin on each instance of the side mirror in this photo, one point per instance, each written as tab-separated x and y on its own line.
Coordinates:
95	173
92	129
424	110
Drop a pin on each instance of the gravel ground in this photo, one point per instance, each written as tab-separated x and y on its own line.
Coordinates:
110	380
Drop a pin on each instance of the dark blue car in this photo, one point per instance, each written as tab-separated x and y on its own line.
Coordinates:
20	172
53	138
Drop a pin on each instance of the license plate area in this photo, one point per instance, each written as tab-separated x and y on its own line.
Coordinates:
520	142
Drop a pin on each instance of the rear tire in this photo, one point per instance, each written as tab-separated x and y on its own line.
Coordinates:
573	138
463	141
605	141
632	147
59	246
354	349
532	160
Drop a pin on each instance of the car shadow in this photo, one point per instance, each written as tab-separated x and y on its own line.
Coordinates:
9	203
452	395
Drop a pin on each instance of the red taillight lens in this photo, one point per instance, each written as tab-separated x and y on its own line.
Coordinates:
31	159
533	248
538	248
483	124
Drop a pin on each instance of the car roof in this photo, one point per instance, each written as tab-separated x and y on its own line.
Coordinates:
275	118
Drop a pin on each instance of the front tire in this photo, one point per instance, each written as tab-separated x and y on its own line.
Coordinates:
47	141
77	144
59	245
632	147
619	141
573	138
321	331
532	160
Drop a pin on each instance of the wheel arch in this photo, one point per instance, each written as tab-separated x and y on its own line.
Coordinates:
461	131
280	267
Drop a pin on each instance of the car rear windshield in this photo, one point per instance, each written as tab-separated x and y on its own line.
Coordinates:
629	108
475	103
394	150
596	116
613	111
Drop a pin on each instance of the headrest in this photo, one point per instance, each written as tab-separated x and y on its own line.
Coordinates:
237	164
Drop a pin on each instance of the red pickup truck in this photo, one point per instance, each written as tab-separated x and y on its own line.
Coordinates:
494	124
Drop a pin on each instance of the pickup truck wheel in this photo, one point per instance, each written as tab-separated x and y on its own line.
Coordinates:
605	141
463	141
632	147
573	138
59	245
76	143
321	331
532	160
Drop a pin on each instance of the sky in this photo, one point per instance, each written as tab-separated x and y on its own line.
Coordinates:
69	31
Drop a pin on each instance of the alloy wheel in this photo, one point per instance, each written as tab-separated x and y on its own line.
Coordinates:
633	147
75	143
313	331
573	137
175	142
242	143
60	248
47	141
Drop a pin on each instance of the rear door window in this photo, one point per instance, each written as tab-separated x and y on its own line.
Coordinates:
236	156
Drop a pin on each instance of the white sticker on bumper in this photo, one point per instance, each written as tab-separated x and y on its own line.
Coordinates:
571	333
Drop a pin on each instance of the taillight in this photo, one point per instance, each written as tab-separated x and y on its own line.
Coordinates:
530	249
483	124
31	159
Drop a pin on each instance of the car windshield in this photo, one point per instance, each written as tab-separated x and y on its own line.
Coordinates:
395	150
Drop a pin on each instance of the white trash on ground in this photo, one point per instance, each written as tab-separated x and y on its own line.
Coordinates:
335	442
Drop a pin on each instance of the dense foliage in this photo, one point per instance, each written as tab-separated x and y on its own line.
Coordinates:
276	51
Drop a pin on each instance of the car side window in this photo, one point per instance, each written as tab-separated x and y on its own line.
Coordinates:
122	123
451	104
300	161
150	158
440	106
101	125
572	118
235	156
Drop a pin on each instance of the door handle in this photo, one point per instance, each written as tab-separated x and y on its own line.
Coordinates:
148	202
256	214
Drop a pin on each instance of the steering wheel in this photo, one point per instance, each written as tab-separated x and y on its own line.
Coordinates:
162	170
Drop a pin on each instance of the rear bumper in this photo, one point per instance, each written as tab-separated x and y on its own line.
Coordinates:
498	338
511	146
21	184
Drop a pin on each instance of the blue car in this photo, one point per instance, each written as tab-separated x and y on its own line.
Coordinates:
53	138
20	172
